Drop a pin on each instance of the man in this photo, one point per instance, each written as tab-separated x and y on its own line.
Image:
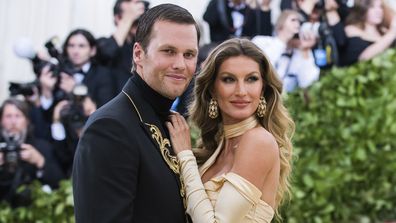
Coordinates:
235	18
124	168
23	157
116	50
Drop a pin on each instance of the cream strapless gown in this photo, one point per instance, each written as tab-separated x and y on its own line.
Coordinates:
228	198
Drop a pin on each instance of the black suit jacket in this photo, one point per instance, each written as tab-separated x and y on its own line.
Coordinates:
218	16
119	174
100	84
118	58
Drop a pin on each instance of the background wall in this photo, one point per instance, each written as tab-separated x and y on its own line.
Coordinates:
39	20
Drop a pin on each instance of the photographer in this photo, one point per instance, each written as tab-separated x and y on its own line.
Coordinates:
68	120
75	66
290	51
326	19
116	51
236	18
79	49
23	158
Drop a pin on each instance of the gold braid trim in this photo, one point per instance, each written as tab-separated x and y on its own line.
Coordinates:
172	161
163	144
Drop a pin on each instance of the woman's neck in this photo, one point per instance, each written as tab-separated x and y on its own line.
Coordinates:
234	130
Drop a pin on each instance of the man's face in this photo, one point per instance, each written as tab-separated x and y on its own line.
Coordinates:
79	50
13	120
170	59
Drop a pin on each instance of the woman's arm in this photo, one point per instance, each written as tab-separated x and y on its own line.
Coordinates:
255	159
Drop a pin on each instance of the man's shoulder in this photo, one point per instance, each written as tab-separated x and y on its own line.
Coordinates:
117	109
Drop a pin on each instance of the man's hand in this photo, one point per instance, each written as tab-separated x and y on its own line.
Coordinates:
89	106
67	82
58	108
133	10
31	155
47	82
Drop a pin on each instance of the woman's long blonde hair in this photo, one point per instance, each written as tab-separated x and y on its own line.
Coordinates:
276	120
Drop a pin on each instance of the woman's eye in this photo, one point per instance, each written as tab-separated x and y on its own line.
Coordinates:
252	79
227	79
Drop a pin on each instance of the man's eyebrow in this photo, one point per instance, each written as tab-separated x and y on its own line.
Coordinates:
168	46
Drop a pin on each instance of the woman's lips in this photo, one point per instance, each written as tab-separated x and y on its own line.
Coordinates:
240	104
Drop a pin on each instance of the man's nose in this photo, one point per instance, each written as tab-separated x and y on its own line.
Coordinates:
179	62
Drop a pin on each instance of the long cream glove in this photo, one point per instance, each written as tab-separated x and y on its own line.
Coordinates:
236	197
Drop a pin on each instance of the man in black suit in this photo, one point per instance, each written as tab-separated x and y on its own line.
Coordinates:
125	169
235	18
116	51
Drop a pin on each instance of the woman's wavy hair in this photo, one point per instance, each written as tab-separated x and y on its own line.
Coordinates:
276	120
358	15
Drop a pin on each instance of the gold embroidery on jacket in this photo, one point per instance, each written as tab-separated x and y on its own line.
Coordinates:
164	145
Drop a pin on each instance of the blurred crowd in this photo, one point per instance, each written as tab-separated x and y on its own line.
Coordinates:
41	121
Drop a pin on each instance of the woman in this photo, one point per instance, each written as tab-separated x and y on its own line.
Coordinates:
246	148
370	36
291	56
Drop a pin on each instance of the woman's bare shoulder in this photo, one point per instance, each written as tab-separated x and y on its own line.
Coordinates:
259	140
353	31
256	156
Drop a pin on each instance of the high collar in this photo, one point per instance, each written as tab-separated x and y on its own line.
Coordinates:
159	103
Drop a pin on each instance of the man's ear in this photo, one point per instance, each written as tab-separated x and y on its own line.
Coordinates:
117	19
93	52
138	53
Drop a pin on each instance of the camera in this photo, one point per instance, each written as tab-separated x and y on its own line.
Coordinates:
25	89
57	64
73	115
146	5
10	148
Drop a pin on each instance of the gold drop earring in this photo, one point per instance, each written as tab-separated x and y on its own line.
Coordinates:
262	107
213	109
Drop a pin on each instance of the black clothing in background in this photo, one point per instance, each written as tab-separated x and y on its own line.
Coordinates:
119	174
218	16
65	150
352	50
51	173
118	59
100	84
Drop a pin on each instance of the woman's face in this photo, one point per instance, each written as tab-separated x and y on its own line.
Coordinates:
375	13
292	24
79	51
237	89
13	121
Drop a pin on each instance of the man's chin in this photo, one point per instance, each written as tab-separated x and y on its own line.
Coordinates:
173	95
